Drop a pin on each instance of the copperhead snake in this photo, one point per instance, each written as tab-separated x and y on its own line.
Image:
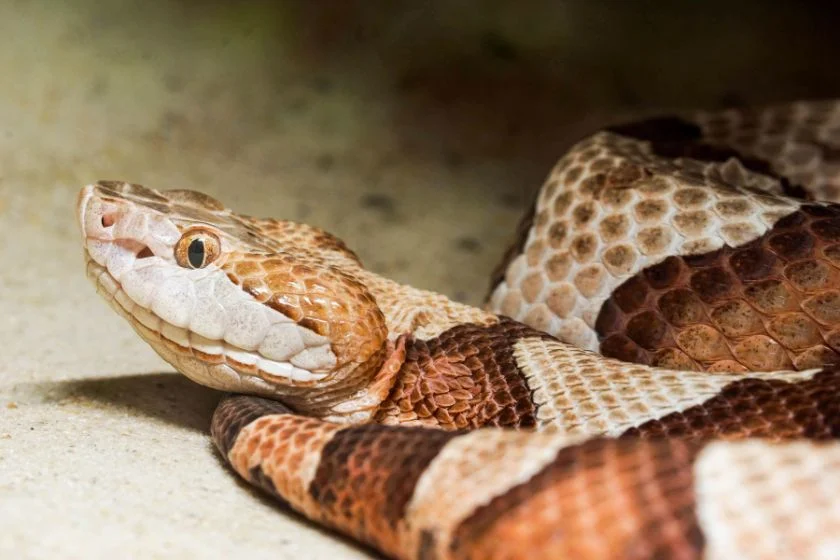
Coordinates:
667	322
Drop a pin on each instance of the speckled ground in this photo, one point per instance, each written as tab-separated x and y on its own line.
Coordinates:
417	134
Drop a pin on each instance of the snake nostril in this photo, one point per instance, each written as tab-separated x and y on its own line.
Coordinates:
145	253
108	220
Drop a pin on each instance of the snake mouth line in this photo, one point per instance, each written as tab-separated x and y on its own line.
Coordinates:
184	342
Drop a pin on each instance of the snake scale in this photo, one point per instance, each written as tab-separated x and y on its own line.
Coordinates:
668	324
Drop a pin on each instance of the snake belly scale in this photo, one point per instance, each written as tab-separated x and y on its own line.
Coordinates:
656	365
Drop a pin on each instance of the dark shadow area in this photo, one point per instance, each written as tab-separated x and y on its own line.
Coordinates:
168	397
521	81
466	83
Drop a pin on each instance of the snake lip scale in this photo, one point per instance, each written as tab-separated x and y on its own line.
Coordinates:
653	375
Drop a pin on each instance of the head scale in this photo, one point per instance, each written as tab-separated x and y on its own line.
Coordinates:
236	303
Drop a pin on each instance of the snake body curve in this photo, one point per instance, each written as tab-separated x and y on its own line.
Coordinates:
692	253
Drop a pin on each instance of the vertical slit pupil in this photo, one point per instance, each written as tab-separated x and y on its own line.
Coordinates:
195	253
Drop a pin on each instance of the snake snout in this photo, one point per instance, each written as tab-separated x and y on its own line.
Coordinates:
98	217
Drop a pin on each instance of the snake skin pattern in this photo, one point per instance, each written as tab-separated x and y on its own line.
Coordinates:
664	353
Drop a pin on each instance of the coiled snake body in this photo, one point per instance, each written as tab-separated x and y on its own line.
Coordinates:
678	287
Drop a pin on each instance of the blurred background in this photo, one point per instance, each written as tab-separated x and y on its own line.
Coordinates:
417	131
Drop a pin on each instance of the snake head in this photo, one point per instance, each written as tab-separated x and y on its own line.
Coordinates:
235	303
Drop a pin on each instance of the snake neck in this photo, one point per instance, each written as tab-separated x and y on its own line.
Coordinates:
445	365
466	377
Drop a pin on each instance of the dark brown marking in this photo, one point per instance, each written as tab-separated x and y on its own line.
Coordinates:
465	378
622	345
663	274
711	284
673	137
681	307
828	230
367	475
820	211
647	511
647	330
766	305
427	549
234	412
752	263
758	408
630	296
792	244
261	480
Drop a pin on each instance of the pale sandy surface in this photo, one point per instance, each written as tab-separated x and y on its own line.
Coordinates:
416	137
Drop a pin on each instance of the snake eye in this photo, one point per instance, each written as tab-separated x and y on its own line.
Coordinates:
197	248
